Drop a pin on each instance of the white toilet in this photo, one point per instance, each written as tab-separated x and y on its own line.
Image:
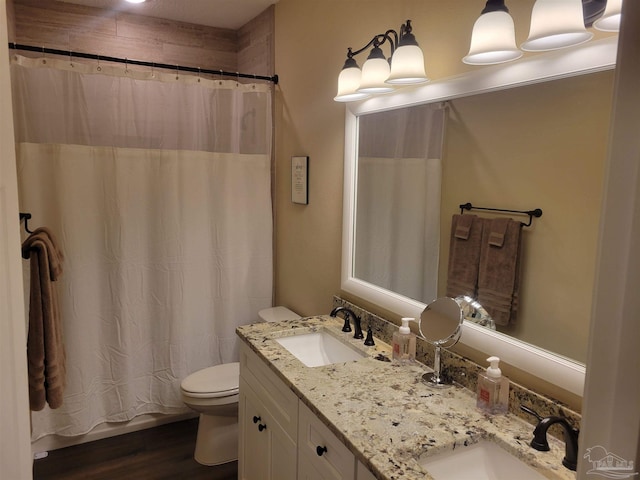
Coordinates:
213	393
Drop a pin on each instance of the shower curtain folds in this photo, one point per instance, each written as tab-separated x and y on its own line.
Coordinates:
159	191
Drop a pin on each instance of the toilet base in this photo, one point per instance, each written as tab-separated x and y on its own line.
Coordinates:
217	440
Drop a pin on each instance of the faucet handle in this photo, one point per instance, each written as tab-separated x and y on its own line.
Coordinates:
347	326
369	340
530	412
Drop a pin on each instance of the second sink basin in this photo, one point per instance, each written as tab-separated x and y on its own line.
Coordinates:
319	348
481	461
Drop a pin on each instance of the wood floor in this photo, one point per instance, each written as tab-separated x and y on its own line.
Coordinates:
160	453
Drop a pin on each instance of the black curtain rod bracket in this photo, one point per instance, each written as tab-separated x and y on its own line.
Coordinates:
128	61
532	213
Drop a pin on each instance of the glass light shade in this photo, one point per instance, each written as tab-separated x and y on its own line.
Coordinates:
407	66
493	40
348	83
610	19
375	72
556	24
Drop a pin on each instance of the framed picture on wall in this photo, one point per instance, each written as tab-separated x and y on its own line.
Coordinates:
300	180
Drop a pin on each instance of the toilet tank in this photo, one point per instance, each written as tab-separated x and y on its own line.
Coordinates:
277	314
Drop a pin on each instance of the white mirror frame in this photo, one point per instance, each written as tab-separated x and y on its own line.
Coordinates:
591	57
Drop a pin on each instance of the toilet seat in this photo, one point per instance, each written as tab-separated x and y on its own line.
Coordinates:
213	382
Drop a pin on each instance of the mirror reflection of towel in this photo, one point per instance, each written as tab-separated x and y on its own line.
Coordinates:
464	255
498	275
45	347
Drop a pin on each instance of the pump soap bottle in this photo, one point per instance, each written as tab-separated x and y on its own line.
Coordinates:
404	343
493	389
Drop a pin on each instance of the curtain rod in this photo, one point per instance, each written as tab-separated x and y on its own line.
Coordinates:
93	56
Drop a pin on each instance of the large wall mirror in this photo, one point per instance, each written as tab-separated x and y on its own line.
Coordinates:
528	135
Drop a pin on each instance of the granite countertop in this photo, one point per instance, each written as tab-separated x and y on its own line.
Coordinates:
385	414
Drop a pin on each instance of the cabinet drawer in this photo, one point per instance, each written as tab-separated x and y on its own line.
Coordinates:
277	398
319	446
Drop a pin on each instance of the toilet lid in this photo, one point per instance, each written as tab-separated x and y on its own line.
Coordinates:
218	381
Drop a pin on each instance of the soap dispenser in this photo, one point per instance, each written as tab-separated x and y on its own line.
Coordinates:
404	343
493	389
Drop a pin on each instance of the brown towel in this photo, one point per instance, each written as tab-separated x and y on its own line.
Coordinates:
45	347
464	255
498	276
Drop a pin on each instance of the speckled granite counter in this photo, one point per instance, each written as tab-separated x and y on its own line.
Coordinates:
385	414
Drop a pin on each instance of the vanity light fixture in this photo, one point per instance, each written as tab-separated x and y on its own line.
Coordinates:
493	39
610	19
136	1
379	75
556	24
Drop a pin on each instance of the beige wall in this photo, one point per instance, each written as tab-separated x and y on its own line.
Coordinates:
15	447
311	41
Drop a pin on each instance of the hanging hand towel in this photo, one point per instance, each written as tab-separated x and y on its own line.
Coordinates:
45	347
464	255
498	276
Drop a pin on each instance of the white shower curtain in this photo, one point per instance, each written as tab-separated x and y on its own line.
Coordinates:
399	172
158	189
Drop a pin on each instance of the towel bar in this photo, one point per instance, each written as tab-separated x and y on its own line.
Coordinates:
532	213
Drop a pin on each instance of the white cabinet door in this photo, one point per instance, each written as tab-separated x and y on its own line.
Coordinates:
268	423
321	455
254	448
362	473
266	451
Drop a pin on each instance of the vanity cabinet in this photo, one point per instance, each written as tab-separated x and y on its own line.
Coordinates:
280	437
268	423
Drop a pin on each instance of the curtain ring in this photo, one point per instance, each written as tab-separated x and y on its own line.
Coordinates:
220	82
98	68
177	72
153	71
198	74
44	56
126	65
70	58
237	79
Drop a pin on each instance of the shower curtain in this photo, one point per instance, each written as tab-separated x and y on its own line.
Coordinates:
399	172
158	189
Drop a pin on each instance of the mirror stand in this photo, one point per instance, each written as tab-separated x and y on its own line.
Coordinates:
436	379
440	325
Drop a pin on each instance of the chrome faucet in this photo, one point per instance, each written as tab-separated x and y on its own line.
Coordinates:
541	444
347	326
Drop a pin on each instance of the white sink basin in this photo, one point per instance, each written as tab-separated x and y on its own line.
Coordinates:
481	461
319	348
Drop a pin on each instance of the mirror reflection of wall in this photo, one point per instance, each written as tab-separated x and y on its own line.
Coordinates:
537	146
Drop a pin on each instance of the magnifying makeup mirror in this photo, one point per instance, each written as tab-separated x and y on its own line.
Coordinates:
441	325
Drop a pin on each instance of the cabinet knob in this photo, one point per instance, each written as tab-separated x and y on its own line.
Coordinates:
321	450
257	419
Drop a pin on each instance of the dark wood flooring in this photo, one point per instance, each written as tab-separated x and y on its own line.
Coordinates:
160	453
